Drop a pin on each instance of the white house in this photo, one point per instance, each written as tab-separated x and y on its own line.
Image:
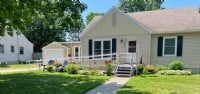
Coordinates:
15	48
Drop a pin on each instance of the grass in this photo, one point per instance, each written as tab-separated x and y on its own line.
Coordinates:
48	83
162	84
17	66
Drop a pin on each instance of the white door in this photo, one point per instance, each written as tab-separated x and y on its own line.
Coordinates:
53	54
131	52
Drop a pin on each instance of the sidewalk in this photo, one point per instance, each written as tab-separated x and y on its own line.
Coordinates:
18	70
110	87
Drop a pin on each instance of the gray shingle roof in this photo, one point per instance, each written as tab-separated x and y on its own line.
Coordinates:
170	20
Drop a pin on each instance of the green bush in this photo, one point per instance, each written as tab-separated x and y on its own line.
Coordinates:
160	68
140	68
72	69
94	72
91	72
150	69
49	68
175	72
176	65
109	69
84	73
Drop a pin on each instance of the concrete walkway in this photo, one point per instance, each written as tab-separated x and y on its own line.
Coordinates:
110	87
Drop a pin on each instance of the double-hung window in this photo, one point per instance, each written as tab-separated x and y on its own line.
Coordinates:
169	46
12	48
1	48
102	48
21	50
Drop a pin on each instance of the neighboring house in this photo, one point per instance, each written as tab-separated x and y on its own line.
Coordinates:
157	37
15	48
60	51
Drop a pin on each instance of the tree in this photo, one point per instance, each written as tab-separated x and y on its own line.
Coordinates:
14	14
56	18
139	5
91	15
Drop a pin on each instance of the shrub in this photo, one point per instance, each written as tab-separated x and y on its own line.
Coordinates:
160	68
91	72
176	65
175	72
140	68
108	67
94	72
72	69
49	68
150	69
84	73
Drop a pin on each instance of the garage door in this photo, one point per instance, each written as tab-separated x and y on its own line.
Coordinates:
53	53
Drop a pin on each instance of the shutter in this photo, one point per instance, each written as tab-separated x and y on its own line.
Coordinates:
90	46
179	45
160	46
114	46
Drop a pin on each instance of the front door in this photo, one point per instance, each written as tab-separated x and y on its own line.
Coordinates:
131	51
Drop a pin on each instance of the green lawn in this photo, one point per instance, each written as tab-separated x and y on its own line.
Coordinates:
18	66
157	84
48	83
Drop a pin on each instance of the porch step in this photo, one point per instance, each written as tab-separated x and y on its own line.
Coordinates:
123	75
124	70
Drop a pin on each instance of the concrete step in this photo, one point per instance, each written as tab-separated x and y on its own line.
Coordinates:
123	72
128	75
120	68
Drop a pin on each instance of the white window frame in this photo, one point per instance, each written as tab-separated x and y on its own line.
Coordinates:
79	52
20	50
102	40
3	50
175	49
13	49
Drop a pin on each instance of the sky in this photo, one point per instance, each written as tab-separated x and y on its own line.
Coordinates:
105	5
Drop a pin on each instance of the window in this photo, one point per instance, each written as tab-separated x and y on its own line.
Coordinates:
169	46
1	48
77	52
132	46
21	50
102	47
12	49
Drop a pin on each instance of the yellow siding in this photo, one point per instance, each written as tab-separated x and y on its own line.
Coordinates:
125	29
191	50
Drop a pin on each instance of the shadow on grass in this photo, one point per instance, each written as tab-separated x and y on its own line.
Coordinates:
4	66
148	75
47	83
130	90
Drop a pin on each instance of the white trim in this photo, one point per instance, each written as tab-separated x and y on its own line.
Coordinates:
175	48
57	43
74	50
101	40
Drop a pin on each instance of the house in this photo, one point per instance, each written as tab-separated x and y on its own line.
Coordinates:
60	51
15	48
157	37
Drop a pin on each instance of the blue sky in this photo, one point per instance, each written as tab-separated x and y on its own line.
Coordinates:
105	5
